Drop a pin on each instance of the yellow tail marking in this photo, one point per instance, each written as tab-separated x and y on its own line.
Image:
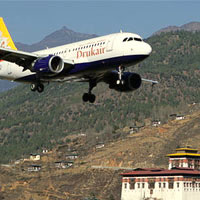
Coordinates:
5	38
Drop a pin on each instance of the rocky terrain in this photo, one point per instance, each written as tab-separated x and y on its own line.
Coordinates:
95	174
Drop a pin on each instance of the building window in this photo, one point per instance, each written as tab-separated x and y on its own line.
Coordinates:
125	185
151	183
181	164
132	184
171	185
138	185
164	185
143	184
159	185
177	185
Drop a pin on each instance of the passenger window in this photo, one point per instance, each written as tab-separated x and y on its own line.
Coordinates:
125	39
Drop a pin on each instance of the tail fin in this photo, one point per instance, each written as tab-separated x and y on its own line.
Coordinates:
5	38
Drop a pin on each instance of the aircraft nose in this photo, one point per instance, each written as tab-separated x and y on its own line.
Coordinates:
148	49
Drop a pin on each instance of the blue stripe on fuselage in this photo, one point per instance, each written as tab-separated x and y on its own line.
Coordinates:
108	64
100	65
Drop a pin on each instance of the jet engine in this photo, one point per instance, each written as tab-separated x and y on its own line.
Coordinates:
49	65
131	82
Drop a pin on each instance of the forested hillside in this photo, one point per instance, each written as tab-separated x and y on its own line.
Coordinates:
30	121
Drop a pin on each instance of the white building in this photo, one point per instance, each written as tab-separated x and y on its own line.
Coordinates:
176	183
34	168
185	157
180	117
35	157
72	156
63	164
156	123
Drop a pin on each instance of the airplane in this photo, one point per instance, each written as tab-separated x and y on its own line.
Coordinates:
101	59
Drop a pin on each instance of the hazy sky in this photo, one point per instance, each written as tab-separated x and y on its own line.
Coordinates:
30	21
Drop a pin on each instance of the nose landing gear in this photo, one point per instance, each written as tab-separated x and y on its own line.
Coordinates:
120	71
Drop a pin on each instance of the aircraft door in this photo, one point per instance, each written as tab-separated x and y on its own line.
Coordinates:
110	42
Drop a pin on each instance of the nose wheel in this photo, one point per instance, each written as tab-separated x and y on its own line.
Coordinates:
120	71
89	96
37	86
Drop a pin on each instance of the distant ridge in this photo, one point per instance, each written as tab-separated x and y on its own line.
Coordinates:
59	37
191	27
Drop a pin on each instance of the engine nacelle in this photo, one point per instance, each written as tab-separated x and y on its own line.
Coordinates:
132	81
50	65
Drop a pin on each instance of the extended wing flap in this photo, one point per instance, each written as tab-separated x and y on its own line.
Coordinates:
149	81
21	58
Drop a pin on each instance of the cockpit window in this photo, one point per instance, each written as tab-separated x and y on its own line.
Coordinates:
124	40
130	39
138	39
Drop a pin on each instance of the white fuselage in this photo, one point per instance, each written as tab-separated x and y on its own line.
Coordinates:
83	53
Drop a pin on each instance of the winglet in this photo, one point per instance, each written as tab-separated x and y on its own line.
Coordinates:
5	38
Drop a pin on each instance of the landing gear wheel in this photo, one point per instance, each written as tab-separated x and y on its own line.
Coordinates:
92	98
85	97
37	86
89	97
33	87
40	88
120	82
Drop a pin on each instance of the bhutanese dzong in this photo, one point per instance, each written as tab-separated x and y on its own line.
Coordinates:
181	181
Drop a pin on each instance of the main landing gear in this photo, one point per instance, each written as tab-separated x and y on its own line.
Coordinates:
37	86
120	71
89	96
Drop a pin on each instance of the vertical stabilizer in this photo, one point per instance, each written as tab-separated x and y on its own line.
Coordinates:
5	38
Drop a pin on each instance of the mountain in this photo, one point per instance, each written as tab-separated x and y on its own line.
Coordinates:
59	37
45	120
191	27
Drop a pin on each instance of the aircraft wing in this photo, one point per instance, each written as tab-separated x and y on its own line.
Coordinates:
21	58
24	59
